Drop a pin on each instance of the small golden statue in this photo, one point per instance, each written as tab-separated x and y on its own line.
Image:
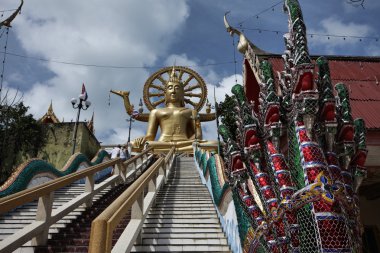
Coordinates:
180	126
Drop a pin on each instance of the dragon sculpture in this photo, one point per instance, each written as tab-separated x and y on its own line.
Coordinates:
7	22
295	160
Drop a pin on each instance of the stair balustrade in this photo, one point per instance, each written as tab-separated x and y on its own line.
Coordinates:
46	216
132	199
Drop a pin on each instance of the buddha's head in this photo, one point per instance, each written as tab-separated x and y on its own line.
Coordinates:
174	92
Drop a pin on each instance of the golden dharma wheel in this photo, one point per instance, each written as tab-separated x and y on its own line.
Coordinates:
195	89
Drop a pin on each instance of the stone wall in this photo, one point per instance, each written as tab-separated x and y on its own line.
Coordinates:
59	143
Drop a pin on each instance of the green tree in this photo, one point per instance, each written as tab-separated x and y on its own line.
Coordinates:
21	137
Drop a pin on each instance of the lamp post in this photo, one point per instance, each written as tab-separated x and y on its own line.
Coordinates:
82	104
130	126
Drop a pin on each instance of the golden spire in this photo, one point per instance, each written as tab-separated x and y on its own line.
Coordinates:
173	77
49	116
90	124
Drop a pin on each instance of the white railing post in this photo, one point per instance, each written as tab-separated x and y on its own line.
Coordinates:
168	168
141	164
44	208
152	184
89	187
137	212
121	171
162	171
135	169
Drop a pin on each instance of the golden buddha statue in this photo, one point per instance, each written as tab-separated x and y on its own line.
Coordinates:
180	126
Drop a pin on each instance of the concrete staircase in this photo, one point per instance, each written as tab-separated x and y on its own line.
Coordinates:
24	215
184	217
75	236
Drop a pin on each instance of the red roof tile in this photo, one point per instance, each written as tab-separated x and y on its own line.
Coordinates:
362	77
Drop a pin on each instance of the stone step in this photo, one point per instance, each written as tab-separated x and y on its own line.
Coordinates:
17	219
184	174
67	248
182	221
184	205
180	212
30	215
202	194
168	201
180	248
182	187
4	223
19	226
184	183
185	209
184	241
182	225
179	231
193	175
185	235
183	190
181	216
171	195
180	198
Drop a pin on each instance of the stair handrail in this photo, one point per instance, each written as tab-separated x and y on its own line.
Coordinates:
38	230
12	201
131	199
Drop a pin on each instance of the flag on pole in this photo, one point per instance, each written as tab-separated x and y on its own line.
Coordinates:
134	113
83	96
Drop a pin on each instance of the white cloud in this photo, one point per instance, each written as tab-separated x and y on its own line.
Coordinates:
121	33
355	7
373	49
133	33
221	89
336	26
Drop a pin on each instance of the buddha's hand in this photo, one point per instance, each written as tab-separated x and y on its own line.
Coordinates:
139	142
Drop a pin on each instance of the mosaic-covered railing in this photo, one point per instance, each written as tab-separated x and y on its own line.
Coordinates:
211	169
36	171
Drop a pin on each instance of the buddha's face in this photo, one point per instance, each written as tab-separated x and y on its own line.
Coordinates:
174	92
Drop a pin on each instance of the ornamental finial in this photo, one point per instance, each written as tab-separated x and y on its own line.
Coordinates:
173	77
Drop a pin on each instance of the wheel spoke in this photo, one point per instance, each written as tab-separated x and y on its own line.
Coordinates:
157	87
163	81
190	102
180	74
155	94
187	81
189	94
192	87
158	102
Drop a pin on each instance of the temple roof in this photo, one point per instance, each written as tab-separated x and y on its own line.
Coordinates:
362	77
49	116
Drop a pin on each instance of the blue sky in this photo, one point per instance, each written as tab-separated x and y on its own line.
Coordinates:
147	35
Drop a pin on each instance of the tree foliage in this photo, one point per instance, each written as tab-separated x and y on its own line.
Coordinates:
21	136
226	110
